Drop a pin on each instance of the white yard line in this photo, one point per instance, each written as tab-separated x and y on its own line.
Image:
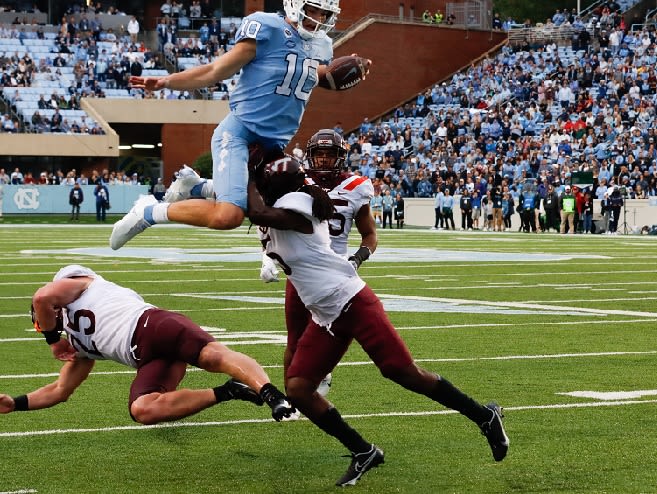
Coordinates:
611	395
615	299
171	425
369	362
528	324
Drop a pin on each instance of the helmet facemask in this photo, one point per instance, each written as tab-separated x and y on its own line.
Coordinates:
325	155
295	10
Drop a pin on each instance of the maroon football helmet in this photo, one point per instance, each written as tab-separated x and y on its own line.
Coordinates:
280	177
325	154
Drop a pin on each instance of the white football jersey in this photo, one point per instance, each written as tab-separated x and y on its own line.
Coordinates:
324	280
101	322
348	197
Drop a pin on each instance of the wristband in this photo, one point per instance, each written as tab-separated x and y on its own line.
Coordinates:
52	336
361	255
364	252
21	404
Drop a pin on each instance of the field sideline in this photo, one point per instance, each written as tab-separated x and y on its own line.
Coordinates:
560	330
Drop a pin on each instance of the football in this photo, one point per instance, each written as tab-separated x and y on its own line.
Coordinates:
344	73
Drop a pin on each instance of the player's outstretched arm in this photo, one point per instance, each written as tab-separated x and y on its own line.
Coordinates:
202	76
70	377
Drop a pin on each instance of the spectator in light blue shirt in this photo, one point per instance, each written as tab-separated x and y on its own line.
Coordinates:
447	209
365	126
366	169
604	172
204	33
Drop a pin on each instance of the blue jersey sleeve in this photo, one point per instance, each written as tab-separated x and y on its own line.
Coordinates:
255	26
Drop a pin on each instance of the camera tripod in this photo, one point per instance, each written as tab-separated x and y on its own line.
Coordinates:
623	227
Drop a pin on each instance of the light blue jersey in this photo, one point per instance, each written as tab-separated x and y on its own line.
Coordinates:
274	88
268	101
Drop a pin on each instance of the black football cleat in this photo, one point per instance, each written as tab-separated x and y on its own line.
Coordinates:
281	408
494	432
361	463
240	391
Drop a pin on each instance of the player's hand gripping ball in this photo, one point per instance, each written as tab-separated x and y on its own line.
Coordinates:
345	72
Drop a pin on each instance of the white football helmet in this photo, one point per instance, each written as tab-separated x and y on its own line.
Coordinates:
295	11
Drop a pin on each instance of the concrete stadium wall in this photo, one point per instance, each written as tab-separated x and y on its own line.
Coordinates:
59	145
140	111
50	199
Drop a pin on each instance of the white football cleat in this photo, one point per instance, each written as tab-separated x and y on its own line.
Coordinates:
181	189
325	385
268	271
132	224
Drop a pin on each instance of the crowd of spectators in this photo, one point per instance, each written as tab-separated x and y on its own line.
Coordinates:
605	16
184	14
525	120
86	60
92	8
105	177
522	121
212	40
81	59
209	42
104	182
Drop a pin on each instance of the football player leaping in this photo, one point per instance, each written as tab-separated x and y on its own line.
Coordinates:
282	59
326	152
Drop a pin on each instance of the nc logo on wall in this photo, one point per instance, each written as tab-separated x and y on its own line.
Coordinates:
26	198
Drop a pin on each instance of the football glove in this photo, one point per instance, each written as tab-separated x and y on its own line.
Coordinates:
360	256
268	271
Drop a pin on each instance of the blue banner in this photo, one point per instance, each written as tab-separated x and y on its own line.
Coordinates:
48	199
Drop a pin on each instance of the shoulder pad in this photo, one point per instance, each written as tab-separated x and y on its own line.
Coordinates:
357	185
257	26
299	202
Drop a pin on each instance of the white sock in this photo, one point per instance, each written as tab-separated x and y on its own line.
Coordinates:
161	212
207	190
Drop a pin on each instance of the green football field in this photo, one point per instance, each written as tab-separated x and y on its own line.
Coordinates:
560	330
